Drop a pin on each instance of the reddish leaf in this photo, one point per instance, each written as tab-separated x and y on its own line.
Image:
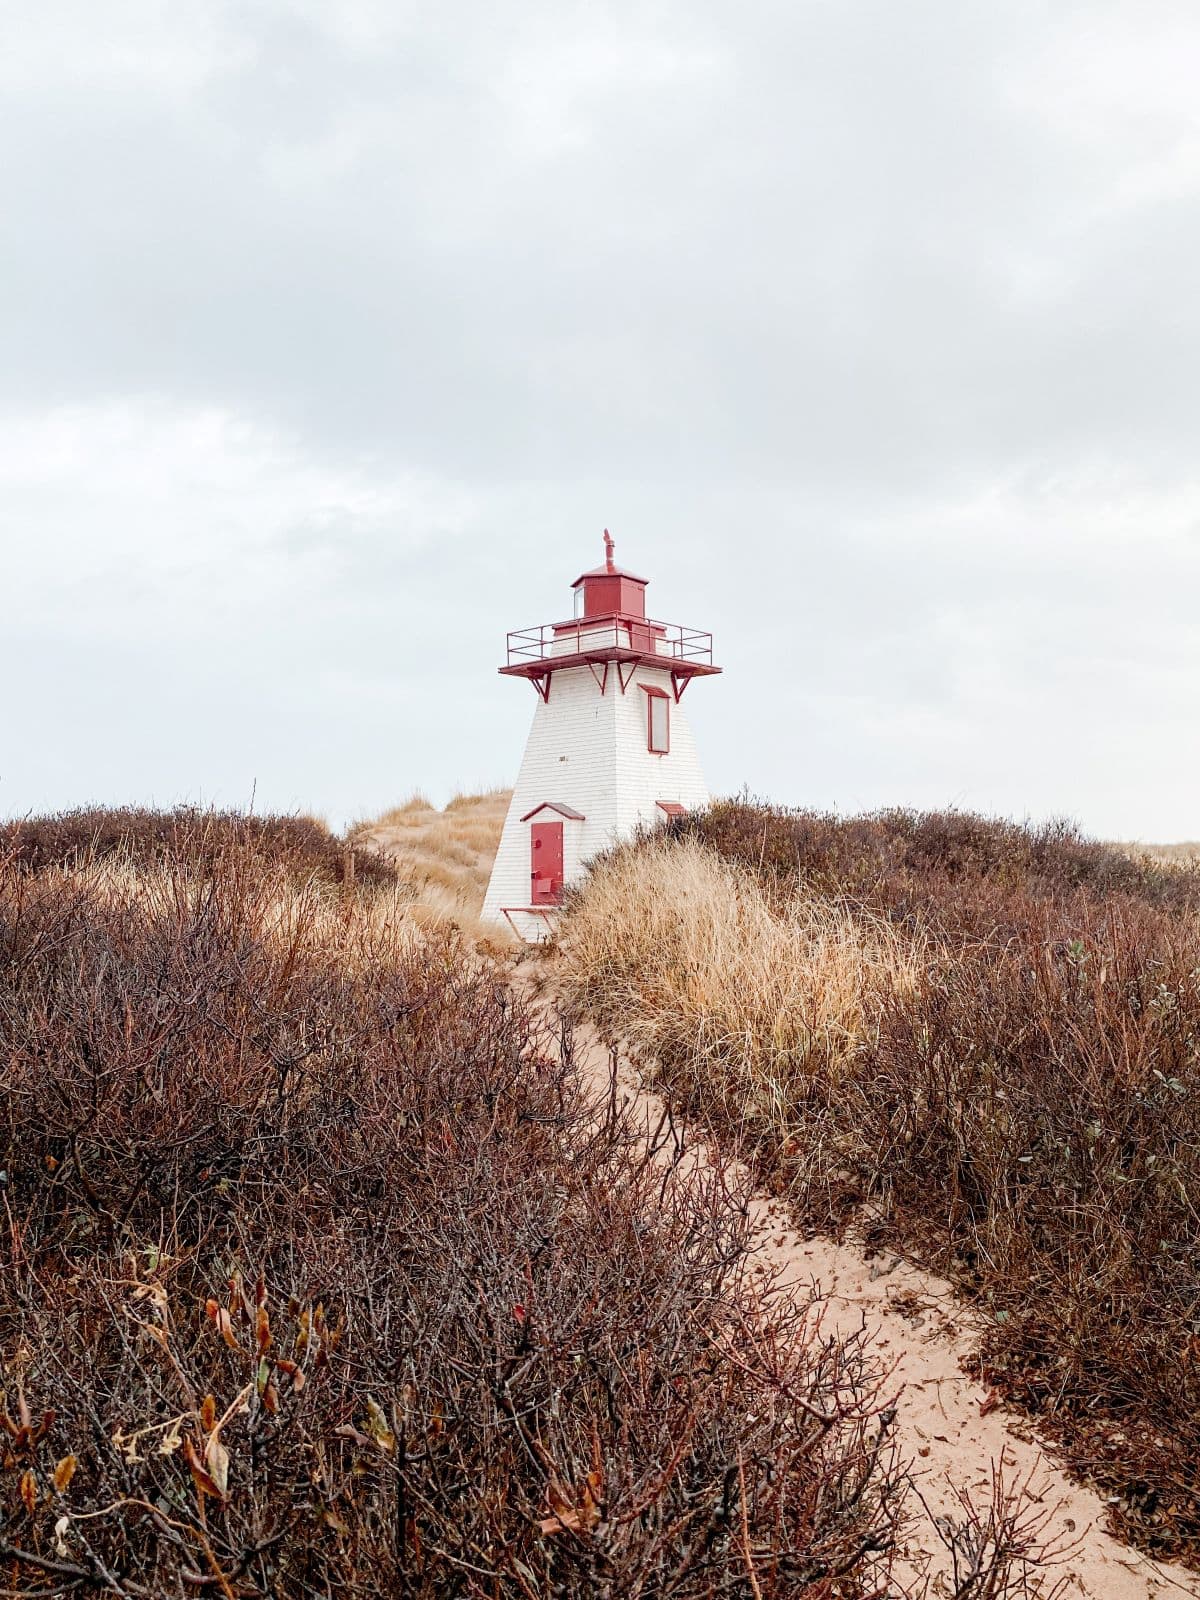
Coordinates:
223	1322
200	1474
216	1459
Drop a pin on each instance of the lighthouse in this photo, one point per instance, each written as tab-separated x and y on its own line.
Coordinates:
610	749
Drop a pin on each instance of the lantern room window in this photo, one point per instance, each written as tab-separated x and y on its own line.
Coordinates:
658	721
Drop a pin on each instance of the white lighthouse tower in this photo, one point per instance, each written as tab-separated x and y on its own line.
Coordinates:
609	749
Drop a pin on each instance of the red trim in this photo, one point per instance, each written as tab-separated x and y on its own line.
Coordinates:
542	685
600	622
671	807
610	572
545	665
626	681
555	805
653	693
601	680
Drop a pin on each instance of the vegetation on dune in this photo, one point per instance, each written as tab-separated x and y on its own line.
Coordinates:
971	1038
437	861
444	856
1185	853
966	874
301	847
319	1276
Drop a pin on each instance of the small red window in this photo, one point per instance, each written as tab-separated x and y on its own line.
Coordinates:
658	721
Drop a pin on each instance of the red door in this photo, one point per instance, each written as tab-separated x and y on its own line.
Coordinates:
546	862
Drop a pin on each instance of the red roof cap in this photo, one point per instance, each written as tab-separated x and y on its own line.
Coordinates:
608	570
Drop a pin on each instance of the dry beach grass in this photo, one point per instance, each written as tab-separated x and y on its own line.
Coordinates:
1186	853
444	857
971	1040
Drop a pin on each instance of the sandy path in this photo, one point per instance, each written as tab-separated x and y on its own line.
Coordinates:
951	1431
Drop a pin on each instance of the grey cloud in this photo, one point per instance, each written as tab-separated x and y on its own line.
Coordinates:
851	320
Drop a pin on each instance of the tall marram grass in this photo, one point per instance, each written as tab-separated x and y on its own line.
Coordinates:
319	1275
445	856
977	1040
673	949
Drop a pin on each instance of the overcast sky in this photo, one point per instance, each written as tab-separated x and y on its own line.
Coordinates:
333	334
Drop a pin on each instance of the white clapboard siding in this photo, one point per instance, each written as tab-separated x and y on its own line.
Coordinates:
588	750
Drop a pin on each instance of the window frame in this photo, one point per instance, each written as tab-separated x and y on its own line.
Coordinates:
660	696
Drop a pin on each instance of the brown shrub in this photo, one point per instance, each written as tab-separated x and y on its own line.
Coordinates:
300	846
317	1276
976	1039
962	873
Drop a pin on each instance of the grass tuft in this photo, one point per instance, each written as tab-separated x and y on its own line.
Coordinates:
445	856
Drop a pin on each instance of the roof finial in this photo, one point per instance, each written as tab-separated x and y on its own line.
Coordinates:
608	551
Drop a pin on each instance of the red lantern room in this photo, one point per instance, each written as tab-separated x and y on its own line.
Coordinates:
610	627
610	590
